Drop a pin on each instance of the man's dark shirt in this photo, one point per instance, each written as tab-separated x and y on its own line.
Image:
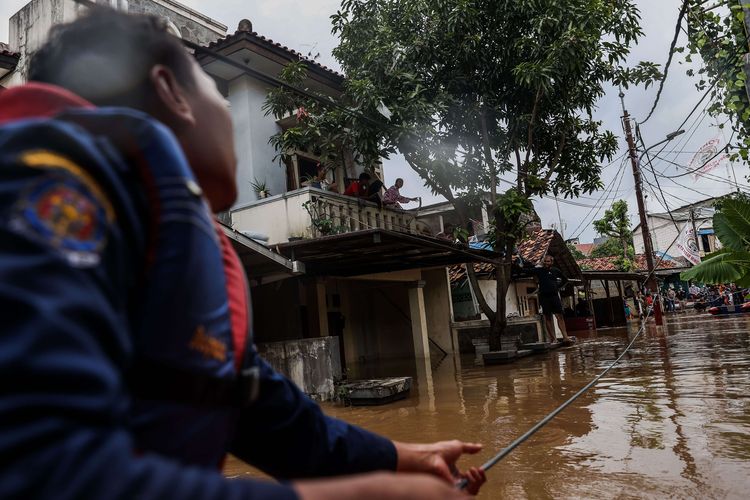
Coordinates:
550	280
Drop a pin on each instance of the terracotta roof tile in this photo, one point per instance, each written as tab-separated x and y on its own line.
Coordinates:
532	249
608	263
585	248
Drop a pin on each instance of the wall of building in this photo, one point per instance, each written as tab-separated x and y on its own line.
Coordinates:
438	307
312	364
663	233
28	29
30	26
252	130
189	23
278	217
489	290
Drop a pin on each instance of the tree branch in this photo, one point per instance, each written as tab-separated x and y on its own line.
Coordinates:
556	159
488	156
530	140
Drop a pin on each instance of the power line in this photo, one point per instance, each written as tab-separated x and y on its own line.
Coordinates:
672	46
587	218
691	171
651	166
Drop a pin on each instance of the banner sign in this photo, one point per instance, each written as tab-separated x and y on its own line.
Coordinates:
687	246
703	161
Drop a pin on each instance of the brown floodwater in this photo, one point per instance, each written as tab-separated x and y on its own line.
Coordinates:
672	420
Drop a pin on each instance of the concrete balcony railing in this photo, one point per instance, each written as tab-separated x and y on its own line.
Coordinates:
311	213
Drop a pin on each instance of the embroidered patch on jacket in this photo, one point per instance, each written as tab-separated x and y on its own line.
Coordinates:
63	213
207	345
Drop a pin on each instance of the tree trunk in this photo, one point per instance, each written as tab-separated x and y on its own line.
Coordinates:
474	284
497	327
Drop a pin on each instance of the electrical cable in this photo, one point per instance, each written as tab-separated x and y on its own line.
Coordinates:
547	419
680	17
581	225
723	150
656	178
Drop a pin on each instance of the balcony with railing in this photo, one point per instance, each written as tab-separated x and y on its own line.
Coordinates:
312	213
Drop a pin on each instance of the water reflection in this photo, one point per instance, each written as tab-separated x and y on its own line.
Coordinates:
671	421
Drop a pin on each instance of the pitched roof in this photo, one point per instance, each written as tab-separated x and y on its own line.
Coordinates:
244	31
609	263
585	248
532	249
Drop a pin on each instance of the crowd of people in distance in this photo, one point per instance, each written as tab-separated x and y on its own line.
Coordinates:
678	299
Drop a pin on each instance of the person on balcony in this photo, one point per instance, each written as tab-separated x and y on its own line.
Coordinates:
110	176
392	197
359	188
321	180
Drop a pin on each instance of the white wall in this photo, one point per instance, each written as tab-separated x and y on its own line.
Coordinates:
663	233
489	289
277	217
252	130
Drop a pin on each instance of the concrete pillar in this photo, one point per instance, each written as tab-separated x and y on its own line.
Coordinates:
317	309
437	296
419	320
426	384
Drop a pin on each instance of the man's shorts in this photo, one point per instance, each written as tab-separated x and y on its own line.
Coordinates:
550	304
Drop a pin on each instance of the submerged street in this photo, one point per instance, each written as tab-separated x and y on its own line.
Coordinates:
672	420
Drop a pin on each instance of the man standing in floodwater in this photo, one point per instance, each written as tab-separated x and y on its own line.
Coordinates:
551	280
127	366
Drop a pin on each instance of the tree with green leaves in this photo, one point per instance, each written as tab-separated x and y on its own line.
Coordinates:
731	264
616	225
474	91
720	37
577	254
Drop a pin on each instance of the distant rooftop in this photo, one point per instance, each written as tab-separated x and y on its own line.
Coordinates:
608	263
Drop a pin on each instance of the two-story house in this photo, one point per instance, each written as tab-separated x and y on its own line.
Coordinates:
335	280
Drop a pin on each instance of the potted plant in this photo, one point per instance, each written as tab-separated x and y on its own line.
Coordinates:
260	188
310	181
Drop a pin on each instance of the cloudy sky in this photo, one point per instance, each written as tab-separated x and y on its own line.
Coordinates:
305	25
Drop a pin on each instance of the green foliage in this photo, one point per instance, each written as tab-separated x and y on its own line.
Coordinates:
259	186
624	264
472	90
321	221
718	36
513	213
479	88
731	263
612	248
616	224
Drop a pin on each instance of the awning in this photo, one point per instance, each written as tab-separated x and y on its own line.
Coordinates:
378	251
261	264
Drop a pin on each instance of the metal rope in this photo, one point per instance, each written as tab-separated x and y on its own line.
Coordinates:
533	430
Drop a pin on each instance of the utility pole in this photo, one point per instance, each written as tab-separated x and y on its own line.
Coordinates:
647	245
695	231
746	57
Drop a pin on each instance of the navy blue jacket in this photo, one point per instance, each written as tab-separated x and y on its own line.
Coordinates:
110	261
